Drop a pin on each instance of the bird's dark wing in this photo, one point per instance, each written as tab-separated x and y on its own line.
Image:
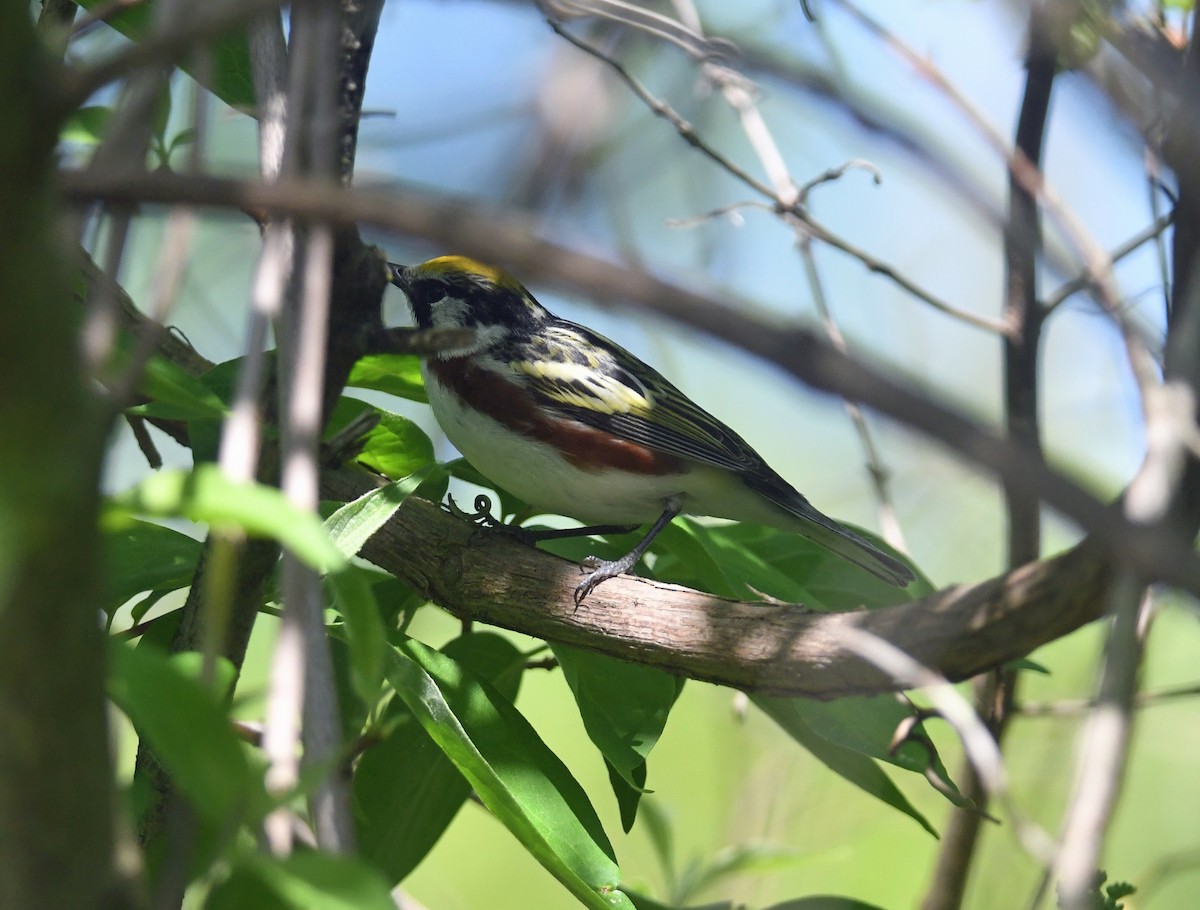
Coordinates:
582	376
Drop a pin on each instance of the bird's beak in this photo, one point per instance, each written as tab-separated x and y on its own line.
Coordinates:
398	275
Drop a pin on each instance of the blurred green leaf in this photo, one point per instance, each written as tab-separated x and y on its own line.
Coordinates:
825	902
176	394
858	769
141	556
305	880
187	726
226	70
86	125
206	495
405	788
365	635
736	860
396	374
516	776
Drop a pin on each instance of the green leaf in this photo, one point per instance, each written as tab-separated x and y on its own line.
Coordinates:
628	792
176	394
226	69
738	860
365	634
832	582
864	724
396	447
140	556
723	565
825	902
353	524
302	881
517	777
187	726
206	495
405	788
624	708
396	374
1024	663
86	125
855	767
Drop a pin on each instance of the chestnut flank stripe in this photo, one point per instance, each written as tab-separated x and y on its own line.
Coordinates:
585	447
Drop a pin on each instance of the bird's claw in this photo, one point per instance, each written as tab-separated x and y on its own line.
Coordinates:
601	570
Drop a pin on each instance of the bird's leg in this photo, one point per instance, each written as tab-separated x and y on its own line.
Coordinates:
603	570
483	517
586	531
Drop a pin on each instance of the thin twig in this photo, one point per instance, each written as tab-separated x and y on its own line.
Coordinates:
1096	261
741	96
792	207
1153	231
1070	707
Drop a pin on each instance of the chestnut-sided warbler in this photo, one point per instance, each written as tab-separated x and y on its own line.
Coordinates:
576	425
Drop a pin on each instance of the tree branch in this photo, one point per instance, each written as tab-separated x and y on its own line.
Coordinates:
760	647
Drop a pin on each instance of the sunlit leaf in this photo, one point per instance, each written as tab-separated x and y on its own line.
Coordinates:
396	374
86	125
516	776
405	788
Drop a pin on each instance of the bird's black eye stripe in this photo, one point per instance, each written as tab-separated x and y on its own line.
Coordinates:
428	290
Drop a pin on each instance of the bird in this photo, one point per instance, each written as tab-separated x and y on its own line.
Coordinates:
575	425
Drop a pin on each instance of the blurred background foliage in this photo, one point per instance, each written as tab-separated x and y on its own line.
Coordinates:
479	98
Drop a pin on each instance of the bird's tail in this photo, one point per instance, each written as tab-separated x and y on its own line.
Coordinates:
854	548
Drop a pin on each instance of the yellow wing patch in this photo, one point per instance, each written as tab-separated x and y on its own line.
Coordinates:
582	386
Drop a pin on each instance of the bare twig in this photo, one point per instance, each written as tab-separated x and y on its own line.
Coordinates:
1096	261
1022	247
741	96
783	206
1153	231
1103	749
1070	707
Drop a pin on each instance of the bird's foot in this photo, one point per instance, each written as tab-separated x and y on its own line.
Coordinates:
483	519
601	570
